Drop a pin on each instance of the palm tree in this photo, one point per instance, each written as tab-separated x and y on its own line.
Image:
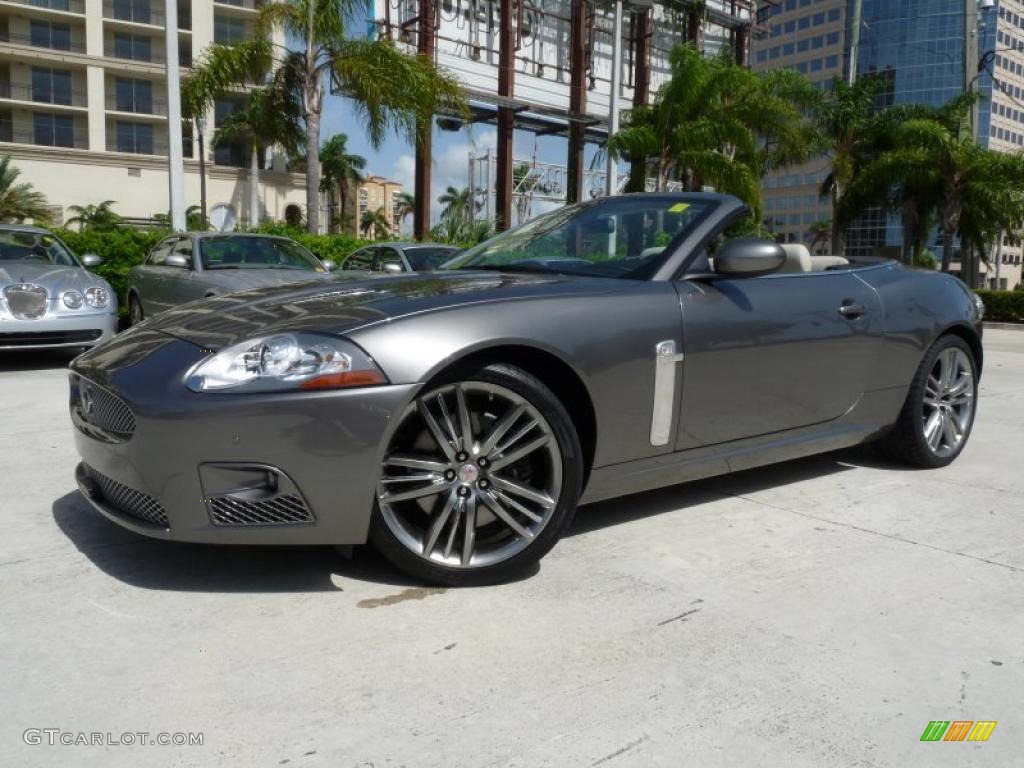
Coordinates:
19	201
94	216
374	224
270	117
340	171
976	192
391	90
717	123
406	206
819	232
455	202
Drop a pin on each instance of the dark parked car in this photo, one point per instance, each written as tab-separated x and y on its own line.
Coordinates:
190	266
458	418
48	297
400	257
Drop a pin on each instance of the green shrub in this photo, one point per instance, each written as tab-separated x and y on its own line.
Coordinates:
1003	306
330	247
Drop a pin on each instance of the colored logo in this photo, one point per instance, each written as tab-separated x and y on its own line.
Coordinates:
958	730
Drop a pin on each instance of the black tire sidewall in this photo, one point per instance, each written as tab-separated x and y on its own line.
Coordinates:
541	398
134	304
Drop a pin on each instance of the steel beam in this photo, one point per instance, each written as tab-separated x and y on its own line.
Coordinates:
641	91
577	100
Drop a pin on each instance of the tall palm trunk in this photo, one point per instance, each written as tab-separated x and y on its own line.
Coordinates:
838	236
343	205
254	185
947	247
313	171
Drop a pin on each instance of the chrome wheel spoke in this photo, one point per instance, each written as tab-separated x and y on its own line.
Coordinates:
503	426
417	493
933	429
465	422
506	517
455	527
509	501
447	419
949	430
524	492
435	430
415	462
519	453
438	525
469	536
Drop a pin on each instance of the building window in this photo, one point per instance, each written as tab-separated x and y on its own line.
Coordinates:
132	95
46	34
134	47
228	30
51	86
134	137
50	130
133	10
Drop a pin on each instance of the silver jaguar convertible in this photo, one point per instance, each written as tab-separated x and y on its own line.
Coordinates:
47	296
456	419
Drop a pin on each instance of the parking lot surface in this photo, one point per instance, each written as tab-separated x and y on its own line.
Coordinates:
814	613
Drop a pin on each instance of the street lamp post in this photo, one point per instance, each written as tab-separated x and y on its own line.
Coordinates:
175	156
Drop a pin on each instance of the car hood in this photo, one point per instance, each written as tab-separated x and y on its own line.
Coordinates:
344	302
246	279
54	279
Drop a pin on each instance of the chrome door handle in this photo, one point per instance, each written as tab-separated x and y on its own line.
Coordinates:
852	311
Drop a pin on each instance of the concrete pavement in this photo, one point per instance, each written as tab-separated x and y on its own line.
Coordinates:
815	613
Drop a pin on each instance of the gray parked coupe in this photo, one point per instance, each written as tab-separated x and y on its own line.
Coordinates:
400	257
186	267
458	418
47	296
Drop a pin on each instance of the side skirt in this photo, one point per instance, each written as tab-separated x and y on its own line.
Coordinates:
870	418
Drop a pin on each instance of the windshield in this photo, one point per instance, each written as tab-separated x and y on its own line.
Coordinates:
624	237
35	246
233	252
428	258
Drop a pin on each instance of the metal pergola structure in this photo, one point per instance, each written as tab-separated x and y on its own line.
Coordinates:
497	34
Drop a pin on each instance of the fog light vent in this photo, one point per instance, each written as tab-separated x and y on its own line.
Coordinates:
252	494
283	510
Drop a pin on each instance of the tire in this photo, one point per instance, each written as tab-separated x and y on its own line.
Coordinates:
489	484
932	403
135	315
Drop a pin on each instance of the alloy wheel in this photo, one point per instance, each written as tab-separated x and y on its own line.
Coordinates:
472	475
948	402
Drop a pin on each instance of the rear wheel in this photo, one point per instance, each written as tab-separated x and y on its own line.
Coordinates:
938	415
134	310
480	479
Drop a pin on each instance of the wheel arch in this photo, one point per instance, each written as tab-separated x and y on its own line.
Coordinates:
554	372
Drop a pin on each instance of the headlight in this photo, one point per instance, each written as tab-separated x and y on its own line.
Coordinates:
97	297
979	307
72	299
285	361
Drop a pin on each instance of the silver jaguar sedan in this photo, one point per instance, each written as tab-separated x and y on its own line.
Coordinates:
49	298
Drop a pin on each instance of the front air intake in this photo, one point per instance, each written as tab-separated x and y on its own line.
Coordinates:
252	495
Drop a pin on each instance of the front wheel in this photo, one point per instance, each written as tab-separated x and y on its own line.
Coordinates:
134	310
938	415
480	479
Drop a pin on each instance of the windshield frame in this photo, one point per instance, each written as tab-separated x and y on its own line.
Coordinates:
653	269
316	265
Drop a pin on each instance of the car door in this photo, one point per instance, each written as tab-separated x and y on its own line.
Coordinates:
149	278
775	352
185	284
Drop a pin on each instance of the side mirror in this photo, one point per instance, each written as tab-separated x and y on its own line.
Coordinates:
329	265
91	260
176	260
749	257
392	267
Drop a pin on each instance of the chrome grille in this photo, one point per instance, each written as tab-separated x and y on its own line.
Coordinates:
26	301
104	409
282	510
128	501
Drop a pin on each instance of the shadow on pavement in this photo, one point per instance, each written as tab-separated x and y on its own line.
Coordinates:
36	360
163	565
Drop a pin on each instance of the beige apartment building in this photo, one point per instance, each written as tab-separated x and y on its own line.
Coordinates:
83	105
808	37
376	193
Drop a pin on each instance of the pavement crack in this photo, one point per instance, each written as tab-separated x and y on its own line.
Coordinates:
680	617
621	751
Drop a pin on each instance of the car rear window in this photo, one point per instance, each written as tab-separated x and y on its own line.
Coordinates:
256	253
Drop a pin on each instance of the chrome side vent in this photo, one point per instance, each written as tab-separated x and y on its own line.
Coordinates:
665	364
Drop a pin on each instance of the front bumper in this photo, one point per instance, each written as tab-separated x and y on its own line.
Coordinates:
319	451
55	331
